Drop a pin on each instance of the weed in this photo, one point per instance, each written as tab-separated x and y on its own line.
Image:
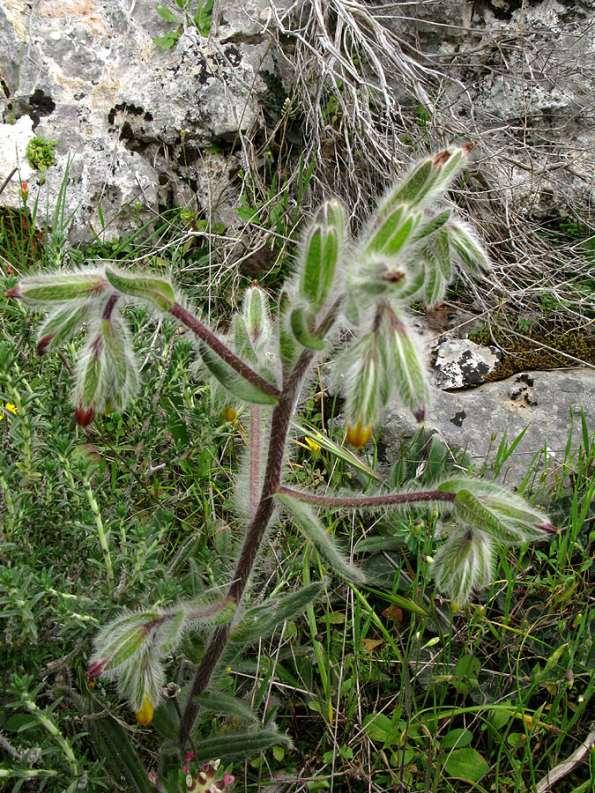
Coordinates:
148	544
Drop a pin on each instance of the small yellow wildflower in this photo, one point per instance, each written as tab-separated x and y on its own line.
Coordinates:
313	446
12	408
230	413
144	715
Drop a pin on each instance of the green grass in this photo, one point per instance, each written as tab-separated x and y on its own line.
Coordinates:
381	688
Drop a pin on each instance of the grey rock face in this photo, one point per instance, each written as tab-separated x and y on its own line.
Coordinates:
459	363
132	122
476	420
525	75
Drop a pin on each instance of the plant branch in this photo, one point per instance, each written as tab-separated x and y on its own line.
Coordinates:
280	424
385	500
222	350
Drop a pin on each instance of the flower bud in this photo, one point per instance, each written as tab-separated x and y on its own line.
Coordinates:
230	413
358	435
255	310
58	287
144	715
321	253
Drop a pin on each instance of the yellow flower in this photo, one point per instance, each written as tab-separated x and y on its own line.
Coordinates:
230	413
313	446
144	716
11	408
358	435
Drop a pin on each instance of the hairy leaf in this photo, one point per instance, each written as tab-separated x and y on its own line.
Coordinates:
308	523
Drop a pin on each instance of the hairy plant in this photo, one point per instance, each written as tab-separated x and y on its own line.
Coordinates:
409	251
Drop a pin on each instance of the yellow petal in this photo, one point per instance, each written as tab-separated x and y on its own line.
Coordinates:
230	413
144	716
358	434
11	408
312	445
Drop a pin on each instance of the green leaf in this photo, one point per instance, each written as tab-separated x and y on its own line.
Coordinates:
157	291
432	225
504	515
393	233
242	344
166	14
60	326
467	248
466	764
232	381
217	702
203	18
238	745
463	563
435	283
113	747
300	325
407	372
262	620
288	348
415	187
308	523
168	41
456	739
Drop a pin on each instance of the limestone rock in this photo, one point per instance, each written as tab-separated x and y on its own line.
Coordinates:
459	363
132	121
538	402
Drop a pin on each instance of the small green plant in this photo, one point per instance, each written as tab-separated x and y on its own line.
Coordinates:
41	154
346	295
200	16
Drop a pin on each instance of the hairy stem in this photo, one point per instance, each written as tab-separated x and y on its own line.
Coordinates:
254	452
280	423
384	500
214	342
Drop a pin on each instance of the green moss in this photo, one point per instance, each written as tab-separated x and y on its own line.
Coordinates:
41	153
522	354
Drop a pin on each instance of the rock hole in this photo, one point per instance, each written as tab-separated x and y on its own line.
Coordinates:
40	104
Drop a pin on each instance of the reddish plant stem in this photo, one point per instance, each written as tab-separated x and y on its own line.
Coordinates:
222	350
385	500
254	452
109	306
279	429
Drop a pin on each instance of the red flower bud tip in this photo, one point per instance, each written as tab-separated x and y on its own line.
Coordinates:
189	757
24	190
84	416
42	344
469	146
95	670
441	158
14	292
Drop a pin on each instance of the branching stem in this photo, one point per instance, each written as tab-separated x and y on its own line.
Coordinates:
222	350
354	502
280	422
